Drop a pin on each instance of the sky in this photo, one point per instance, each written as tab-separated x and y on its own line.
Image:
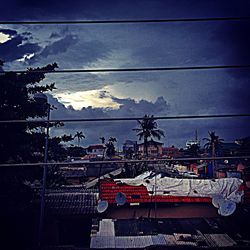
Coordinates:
134	94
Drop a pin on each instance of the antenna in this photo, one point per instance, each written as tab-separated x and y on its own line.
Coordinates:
227	208
120	198
102	206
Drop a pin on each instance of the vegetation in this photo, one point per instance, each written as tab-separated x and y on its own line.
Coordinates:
213	145
24	142
19	141
194	150
102	140
79	135
244	145
147	129
110	147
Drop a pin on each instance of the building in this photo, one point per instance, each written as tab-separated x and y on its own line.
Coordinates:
129	148
190	143
230	148
96	149
170	152
154	148
193	142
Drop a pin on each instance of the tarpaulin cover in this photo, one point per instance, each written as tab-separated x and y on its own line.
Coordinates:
228	188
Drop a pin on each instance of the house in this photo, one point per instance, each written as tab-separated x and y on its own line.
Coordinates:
154	148
170	152
96	149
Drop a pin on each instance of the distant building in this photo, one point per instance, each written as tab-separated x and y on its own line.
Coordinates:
170	152
154	148
96	149
195	141
230	148
129	148
190	143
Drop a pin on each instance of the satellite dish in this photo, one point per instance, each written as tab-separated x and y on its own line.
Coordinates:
227	208
120	198
217	200
102	206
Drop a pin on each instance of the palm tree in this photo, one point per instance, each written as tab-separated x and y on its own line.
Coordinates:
79	136
148	128
112	139
213	144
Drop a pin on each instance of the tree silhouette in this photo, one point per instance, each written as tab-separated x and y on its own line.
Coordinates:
19	142
148	128
79	135
112	139
110	147
213	144
102	139
194	150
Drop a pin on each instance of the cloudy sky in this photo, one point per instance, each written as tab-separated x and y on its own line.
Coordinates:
134	94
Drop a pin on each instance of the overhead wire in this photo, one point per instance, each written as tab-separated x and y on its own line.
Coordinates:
107	119
142	69
115	21
124	161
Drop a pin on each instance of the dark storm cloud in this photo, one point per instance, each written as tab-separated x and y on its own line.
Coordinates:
8	32
16	47
55	48
94	9
235	35
130	107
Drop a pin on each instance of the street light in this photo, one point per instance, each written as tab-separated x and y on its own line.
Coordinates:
42	100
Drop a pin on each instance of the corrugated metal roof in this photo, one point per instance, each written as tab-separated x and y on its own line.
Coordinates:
71	203
106	237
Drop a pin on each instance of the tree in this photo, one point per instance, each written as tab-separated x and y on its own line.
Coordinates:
148	128
213	145
102	139
194	150
244	145
79	136
110	147
19	140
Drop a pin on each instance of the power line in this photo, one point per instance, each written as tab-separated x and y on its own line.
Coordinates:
124	161
246	66
129	118
171	20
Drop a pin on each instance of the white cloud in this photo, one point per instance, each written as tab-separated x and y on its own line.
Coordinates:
4	37
81	99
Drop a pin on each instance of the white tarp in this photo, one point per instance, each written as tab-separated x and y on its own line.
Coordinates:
226	187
